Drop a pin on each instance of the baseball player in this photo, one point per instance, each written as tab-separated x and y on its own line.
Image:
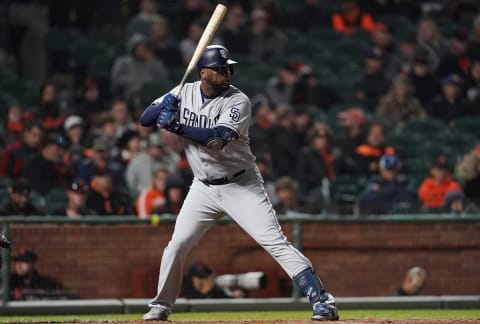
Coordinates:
213	119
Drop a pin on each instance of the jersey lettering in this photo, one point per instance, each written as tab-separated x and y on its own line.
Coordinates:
235	114
190	118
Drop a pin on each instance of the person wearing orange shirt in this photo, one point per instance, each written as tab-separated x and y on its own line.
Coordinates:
153	198
434	188
352	18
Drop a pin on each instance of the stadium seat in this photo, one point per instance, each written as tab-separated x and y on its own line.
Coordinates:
345	192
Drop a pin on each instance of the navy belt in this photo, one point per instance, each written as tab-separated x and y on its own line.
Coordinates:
224	180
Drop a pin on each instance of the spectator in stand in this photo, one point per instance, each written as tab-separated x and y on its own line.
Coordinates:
105	127
402	59
372	83
450	104
76	205
142	22
265	168
140	66
472	87
381	40
351	18
430	40
234	34
367	155
413	282
303	122
388	191
47	170
457	60
425	84
98	158
434	188
316	162
175	193
121	117
139	171
265	40
91	103
468	171
48	110
189	10
13	125
129	147
188	44
290	201
75	136
164	44
103	197
352	121
285	145
399	105
15	155
18	203
26	283
280	87
260	131
152	199
309	91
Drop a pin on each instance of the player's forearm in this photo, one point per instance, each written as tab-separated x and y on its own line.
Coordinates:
196	134
149	116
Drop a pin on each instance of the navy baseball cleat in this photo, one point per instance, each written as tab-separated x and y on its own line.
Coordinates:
156	314
325	309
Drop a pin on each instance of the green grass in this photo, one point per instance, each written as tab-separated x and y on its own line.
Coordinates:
270	315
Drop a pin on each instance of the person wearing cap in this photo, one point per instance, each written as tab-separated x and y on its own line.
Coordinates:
19	203
75	134
76	205
25	280
399	106
352	121
139	171
372	83
425	84
309	91
14	156
137	68
388	191
48	170
200	284
434	188
104	198
260	131
265	39
451	103
99	157
280	86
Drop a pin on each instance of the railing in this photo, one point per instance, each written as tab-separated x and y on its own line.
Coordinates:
295	219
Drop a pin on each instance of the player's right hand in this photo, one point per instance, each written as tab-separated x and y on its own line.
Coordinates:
170	102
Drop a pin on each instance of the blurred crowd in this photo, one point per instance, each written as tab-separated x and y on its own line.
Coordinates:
78	149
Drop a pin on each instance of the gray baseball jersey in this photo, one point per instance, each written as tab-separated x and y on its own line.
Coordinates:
242	196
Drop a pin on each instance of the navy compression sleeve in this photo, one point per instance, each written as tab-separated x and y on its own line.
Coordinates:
204	135
150	115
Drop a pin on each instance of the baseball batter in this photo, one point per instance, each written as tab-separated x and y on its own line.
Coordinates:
213	118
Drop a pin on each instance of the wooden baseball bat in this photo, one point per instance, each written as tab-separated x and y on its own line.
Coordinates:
206	38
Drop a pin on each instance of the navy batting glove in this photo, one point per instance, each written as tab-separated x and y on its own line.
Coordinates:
168	109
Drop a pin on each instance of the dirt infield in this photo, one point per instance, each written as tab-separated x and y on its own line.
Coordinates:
348	321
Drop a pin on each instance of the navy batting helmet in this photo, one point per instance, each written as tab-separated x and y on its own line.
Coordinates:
215	56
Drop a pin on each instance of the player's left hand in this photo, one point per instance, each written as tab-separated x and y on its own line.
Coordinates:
168	109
